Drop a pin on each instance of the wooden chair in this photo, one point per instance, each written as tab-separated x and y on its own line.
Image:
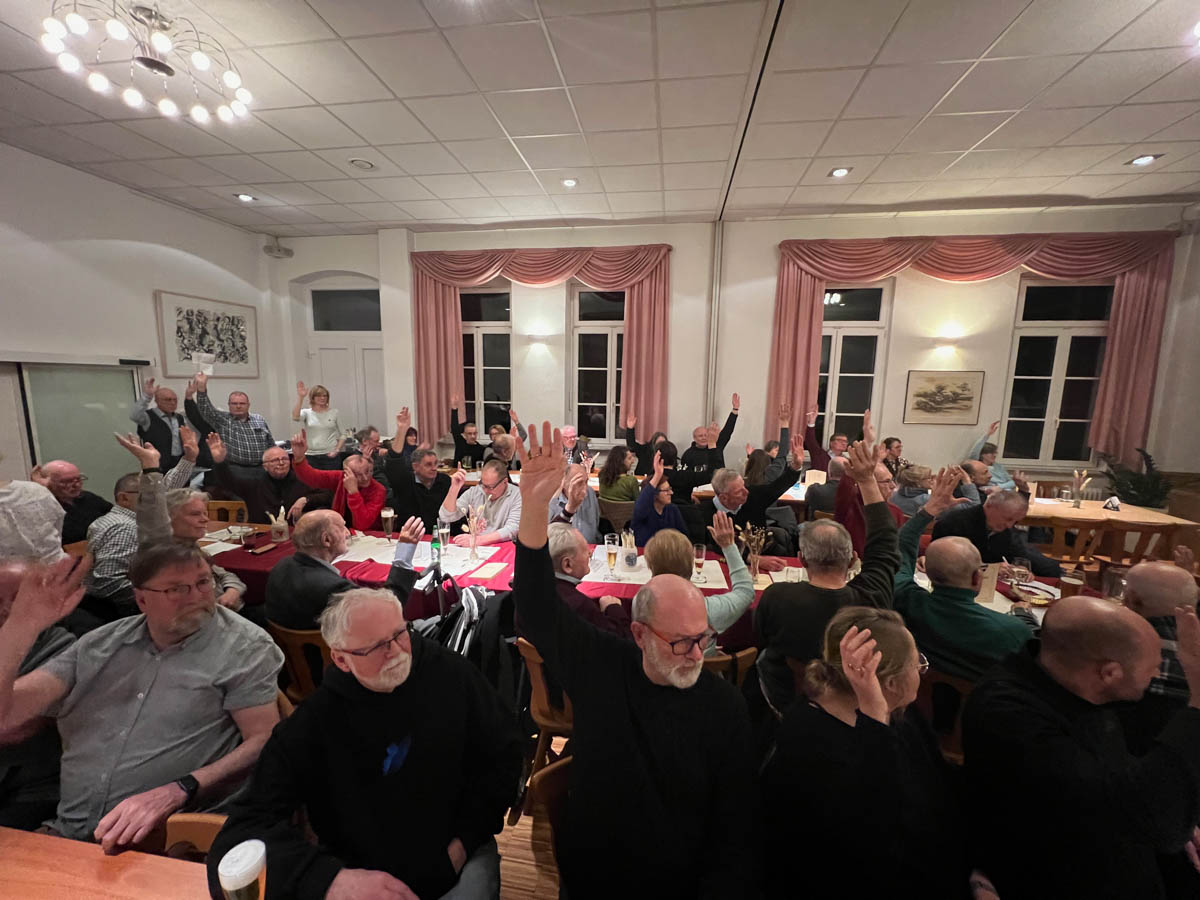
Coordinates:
305	657
1088	537
617	512
283	704
551	721
1150	542
191	835
941	699
732	668
549	788
228	511
821	514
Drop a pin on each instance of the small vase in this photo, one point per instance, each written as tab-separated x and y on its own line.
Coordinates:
753	564
1077	502
474	547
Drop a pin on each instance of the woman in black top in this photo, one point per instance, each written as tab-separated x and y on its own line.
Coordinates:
857	783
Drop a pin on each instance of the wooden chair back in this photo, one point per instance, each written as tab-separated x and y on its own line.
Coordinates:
284	705
1088	537
732	667
228	511
77	549
191	835
1149	542
941	699
822	514
549	788
305	657
545	715
617	512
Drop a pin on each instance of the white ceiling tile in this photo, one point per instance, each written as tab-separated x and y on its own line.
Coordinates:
636	201
378	212
1005	83
289	214
555	152
456	118
581	204
268	21
862	136
616	107
903	90
949	190
49	141
478	206
759	197
400	189
797	96
226	195
300	165
1066	26
1023	186
246	218
448	13
36	104
19	51
1168	23
250	135
621	148
16	120
1182	84
1040	127
604	48
1065	160
293	193
351	18
701	101
23	16
53	87
682	201
702	144
529	206
197	198
948	29
1155	185
1183	163
1172	151
509	184
817	34
189	171
340	159
328	72
270	89
784	141
428	209
587	180
332	212
911	166
989	163
382	122
534	112
708	40
134	173
1092	185
810	195
505	57
497	155
959	132
414	65
446	187
769	173
860	168
182	137
551	8
631	178
1187	129
116	139
1109	78
423	159
688	176
312	127
1132	122
879	194
288	230
346	191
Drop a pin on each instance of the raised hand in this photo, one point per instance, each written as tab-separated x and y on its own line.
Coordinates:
542	467
190	391
993	428
1188	628
299	445
722	530
785	413
657	478
148	387
577	488
301	390
749	449
37	476
813	411
941	496
47	593
1020	481
737	403
512	414
868	428
403	422
216	447
1185	558
349	480
714	432
630	422
860	663
411	531
146	453
796	445
454	401
201	383
190	442
457	479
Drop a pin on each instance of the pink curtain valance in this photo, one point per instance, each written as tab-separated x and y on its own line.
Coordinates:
1140	263
602	268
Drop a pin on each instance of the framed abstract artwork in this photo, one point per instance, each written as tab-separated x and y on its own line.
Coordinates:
193	329
942	398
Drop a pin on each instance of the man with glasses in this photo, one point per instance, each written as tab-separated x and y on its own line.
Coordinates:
418	486
65	482
158	712
499	500
654	733
247	434
405	760
271	486
961	637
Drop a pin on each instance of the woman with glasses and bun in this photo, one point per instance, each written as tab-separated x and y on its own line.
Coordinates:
857	784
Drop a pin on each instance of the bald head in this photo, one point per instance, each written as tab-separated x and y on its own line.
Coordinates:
1157	588
953	562
66	481
669	608
166	400
1099	650
322	534
978	473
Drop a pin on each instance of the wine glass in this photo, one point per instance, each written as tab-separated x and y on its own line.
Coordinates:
388	515
699	551
612	545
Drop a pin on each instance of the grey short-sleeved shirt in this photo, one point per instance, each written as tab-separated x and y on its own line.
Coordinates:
135	718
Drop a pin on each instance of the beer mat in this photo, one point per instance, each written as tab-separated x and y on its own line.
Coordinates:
223	535
488	571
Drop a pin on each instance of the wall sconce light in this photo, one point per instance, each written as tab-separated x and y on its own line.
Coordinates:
945	349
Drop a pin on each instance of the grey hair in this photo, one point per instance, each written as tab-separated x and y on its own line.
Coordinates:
723	479
563	541
177	497
418	455
503	440
836	468
826	546
127	484
497	467
1006	498
644	602
335	618
309	531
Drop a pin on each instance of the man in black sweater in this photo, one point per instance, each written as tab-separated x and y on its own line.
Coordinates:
790	619
404	759
823	497
707	453
466	438
747	505
991	527
419	487
64	480
655	735
268	489
1045	757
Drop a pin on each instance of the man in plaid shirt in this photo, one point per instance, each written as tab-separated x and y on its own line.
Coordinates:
246	434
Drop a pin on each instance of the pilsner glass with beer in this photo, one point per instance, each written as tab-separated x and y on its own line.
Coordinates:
243	871
388	515
699	551
612	544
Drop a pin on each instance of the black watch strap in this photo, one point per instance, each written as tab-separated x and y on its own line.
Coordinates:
190	786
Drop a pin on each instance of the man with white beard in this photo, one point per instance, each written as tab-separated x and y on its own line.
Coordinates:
404	758
662	794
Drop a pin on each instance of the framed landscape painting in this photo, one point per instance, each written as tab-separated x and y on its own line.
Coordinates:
942	398
191	326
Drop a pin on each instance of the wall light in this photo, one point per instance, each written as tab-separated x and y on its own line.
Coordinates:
945	349
951	331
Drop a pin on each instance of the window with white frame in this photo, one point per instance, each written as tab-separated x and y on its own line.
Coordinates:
597	357
487	357
1054	372
853	350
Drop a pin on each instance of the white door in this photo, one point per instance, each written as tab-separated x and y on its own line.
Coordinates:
351	366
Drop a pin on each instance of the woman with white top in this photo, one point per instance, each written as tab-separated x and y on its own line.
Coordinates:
320	422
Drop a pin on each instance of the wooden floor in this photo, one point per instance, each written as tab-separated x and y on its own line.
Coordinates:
527	867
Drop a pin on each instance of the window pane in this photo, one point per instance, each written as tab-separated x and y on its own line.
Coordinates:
496	385
858	354
822	393
620	350
468	349
819	429
1086	357
592	422
495	350
854	393
601	306
826	348
469	388
1071	441
1029	398
853	304
354	310
617	399
1035	356
1023	440
593	386
1078	399
851	426
1053	302
593	351
495	414
483	307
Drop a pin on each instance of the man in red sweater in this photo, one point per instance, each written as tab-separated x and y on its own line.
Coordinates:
353	487
848	502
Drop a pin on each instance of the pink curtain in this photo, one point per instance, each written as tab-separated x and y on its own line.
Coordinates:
643	272
1140	261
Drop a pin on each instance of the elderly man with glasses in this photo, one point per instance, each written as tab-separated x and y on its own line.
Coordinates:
404	760
64	480
654	733
269	488
495	497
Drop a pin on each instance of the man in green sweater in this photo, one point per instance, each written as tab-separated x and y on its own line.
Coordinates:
959	636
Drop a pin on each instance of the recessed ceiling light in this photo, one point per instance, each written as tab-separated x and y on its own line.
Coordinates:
1145	160
245	198
840	171
360	163
569	182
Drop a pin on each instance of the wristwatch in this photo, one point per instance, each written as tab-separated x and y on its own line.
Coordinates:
190	786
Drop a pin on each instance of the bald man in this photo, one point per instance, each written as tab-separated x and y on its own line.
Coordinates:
960	637
653	731
975	481
1046	759
64	480
159	424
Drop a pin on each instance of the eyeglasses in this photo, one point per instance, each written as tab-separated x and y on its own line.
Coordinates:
283	461
179	591
922	664
490	487
401	637
683	646
78	479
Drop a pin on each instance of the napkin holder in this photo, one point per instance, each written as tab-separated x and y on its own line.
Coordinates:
1113	503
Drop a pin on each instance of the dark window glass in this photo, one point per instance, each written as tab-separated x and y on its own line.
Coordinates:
496	385
350	310
601	306
851	426
495	414
819	427
1067	302
1078	399
1029	398
484	307
1023	440
1035	356
469	387
593	351
468	349
593	386
495	350
1071	441
853	304
620	350
826	349
1086	357
617	399
822	392
854	393
858	354
592	422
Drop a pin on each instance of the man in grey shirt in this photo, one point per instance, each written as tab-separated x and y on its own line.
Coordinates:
157	712
498	497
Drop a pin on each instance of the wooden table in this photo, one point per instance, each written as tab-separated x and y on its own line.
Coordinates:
1092	512
37	866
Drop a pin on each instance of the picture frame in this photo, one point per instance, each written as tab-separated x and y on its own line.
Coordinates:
189	324
940	397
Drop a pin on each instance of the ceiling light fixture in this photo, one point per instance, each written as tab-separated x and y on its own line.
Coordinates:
168	56
840	171
1145	160
245	198
359	163
569	182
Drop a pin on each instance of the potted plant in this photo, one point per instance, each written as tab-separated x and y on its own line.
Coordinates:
1148	487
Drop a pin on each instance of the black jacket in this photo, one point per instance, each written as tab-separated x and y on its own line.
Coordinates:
299	587
709	459
970	521
412	497
461	448
821	497
86	509
388	780
263	494
754	510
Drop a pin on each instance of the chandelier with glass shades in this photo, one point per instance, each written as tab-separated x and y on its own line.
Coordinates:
173	65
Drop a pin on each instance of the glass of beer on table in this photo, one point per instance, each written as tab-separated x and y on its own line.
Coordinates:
388	516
